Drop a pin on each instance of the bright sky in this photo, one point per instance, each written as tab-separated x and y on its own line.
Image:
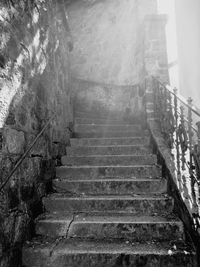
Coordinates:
167	7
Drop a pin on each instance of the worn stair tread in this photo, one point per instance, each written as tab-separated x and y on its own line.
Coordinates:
108	197
113	156
106	127
96	116
108	150
112	160
104	166
109	141
111	226
111	138
81	120
139	147
88	171
110	218
117	186
104	122
89	134
104	157
78	246
111	179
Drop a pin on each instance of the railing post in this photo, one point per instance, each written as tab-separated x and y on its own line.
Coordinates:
182	137
176	126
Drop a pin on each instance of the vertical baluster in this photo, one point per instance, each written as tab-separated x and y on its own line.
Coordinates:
162	108
190	132
155	96
159	105
170	120
165	110
198	136
176	126
182	142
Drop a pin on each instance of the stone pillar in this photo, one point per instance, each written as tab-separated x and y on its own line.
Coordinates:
155	47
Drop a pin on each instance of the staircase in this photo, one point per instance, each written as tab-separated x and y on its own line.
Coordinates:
111	206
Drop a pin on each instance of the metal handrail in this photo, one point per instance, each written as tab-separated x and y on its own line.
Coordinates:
21	159
175	116
179	97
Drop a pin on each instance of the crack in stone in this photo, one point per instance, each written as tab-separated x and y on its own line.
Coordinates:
62	237
68	228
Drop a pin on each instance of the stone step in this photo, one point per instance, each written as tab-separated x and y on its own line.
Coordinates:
109	134
98	115
107	150
124	160
100	121
109	227
138	204
101	172
126	141
113	186
140	228
83	253
104	128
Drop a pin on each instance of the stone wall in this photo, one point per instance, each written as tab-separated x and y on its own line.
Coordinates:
34	86
123	102
108	39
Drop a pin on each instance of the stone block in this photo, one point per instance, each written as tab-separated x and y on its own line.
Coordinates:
14	141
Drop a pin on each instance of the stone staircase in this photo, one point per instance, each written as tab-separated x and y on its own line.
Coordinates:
110	207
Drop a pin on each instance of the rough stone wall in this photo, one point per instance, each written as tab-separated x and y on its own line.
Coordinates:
34	86
122	102
108	39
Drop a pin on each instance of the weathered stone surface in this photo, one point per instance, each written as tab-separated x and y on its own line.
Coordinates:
132	204
101	213
108	134
99	54
113	186
53	226
109	160
105	116
108	141
94	253
106	128
88	120
138	229
35	85
88	226
14	141
107	150
93	172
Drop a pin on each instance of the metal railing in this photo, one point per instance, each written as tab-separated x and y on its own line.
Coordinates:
179	122
21	159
